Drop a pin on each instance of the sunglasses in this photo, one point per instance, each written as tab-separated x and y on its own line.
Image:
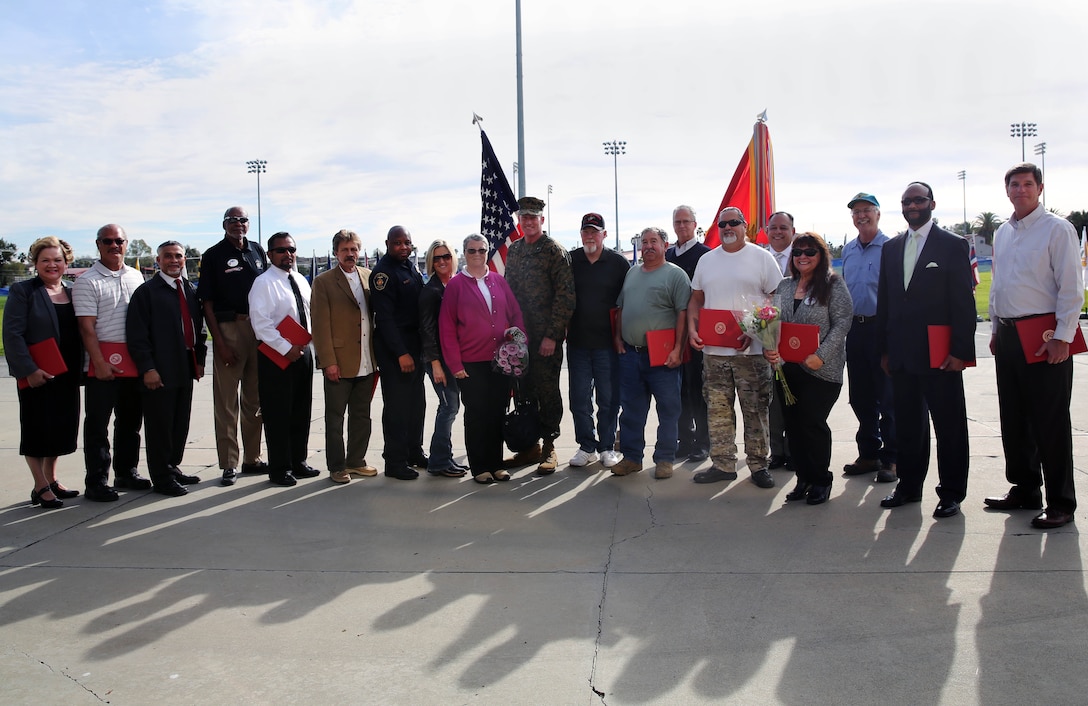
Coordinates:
730	224
447	256
807	252
112	241
282	250
475	251
236	219
916	200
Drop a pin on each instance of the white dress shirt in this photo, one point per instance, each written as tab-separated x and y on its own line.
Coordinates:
271	299
366	365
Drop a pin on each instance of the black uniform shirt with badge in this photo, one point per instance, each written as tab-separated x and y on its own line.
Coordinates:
227	274
394	295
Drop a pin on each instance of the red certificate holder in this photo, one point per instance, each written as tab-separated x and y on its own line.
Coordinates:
719	327
660	343
294	333
1037	330
46	355
798	341
940	345
116	354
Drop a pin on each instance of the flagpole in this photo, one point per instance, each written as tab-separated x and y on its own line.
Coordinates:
521	105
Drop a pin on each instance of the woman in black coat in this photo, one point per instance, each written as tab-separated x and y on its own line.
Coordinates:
40	311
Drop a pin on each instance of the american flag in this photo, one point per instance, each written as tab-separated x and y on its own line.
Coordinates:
497	222
974	261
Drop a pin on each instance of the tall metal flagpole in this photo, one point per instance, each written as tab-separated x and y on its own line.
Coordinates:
760	220
521	107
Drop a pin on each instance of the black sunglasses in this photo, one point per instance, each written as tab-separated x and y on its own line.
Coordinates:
916	200
807	252
282	250
447	256
731	224
112	241
475	251
236	219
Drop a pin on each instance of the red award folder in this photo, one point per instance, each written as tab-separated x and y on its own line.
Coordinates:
940	344
293	332
46	355
660	343
798	341
719	327
1036	331
116	354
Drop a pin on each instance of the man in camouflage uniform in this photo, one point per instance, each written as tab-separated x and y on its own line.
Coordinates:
736	276
538	271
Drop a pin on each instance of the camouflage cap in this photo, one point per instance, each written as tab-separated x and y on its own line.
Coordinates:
530	206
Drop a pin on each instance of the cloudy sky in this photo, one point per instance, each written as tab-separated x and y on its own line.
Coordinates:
144	113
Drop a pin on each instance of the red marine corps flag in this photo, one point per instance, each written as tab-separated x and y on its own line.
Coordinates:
752	187
497	222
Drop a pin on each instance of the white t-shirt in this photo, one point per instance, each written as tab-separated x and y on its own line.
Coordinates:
738	282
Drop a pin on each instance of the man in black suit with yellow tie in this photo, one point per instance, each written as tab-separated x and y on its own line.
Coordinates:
925	280
166	338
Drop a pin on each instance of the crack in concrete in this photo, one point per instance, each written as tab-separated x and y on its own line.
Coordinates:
67	676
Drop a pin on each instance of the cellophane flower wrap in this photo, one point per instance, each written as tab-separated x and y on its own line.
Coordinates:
512	356
763	323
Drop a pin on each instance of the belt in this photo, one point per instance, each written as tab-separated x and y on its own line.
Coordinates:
864	319
636	349
1012	322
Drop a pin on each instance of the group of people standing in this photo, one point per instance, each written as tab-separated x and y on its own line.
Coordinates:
900	320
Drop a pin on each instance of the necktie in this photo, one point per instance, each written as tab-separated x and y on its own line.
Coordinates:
186	316
298	302
910	257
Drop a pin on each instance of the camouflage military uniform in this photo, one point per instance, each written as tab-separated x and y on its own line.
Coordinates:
726	377
541	279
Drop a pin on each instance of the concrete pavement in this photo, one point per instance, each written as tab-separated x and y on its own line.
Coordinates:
577	588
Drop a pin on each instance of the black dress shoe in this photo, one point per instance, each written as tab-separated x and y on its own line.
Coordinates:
818	494
698	455
763	478
63	493
714	475
171	488
285	479
799	492
778	461
184	479
1050	519
304	470
897	499
100	493
947	508
230	475
403	473
37	499
131	481
258	467
1015	500
419	461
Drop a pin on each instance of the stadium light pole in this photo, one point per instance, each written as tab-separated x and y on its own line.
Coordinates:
616	148
1040	149
1023	131
549	207
962	175
257	166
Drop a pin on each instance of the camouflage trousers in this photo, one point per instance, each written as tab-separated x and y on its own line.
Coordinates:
725	378
541	383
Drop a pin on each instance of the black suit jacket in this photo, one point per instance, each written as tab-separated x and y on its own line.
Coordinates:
29	317
940	292
156	339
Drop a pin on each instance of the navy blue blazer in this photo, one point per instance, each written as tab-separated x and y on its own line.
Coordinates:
156	339
29	317
940	292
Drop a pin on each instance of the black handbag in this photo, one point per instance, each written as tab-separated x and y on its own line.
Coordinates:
521	427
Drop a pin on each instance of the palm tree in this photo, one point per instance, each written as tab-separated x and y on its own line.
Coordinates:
1056	212
1079	219
987	224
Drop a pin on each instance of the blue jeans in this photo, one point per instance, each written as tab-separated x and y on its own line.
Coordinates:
638	380
449	401
589	370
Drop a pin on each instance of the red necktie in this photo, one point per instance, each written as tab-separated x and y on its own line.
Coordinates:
186	317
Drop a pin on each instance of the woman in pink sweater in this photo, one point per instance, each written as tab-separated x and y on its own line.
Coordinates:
477	309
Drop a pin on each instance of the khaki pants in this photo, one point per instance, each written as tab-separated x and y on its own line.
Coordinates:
225	381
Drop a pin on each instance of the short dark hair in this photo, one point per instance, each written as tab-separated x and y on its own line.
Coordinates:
1024	168
929	189
277	236
167	244
787	215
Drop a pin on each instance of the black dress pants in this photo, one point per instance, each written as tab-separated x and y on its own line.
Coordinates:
166	428
404	406
286	400
120	398
918	397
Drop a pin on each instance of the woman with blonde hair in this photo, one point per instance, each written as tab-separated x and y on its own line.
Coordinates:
40	311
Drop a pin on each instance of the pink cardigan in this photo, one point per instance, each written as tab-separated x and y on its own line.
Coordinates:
468	332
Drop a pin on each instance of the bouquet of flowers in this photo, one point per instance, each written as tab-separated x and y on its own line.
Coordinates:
763	323
512	357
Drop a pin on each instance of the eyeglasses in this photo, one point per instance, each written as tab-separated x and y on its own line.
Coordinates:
807	252
730	224
682	223
112	241
860	211
447	256
236	219
475	251
915	200
282	250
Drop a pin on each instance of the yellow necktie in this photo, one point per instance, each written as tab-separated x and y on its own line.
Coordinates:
910	257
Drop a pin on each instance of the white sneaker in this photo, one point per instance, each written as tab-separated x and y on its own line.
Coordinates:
583	458
610	458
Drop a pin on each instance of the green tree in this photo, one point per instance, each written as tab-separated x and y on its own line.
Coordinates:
986	224
1079	219
9	252
1056	212
192	262
138	249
